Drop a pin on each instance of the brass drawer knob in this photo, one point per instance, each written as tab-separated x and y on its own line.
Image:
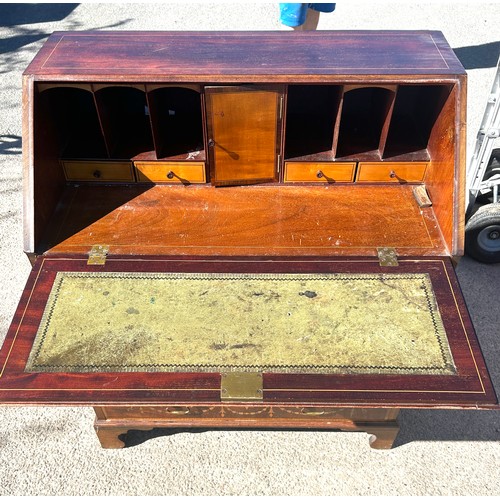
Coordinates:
97	174
312	412
170	175
178	410
319	174
392	174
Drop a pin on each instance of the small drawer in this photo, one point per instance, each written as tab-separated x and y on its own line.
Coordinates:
319	171
102	171
172	172
391	172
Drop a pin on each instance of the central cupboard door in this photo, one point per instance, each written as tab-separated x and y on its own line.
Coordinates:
244	130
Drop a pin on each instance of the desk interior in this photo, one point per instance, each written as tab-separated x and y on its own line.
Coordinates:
246	220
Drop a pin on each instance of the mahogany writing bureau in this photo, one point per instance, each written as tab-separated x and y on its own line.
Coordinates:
244	230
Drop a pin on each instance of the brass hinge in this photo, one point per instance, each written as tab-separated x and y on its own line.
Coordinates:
241	386
97	255
387	257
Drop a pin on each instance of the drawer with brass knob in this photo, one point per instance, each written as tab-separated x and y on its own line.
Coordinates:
171	172
401	172
244	412
104	171
319	171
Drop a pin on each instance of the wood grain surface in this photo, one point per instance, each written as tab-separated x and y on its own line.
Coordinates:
262	56
243	127
335	219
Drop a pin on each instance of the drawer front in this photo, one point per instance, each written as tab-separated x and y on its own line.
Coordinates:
391	172
156	412
98	171
319	172
245	412
171	172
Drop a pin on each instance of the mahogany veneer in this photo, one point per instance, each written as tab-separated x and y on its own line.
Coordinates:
296	220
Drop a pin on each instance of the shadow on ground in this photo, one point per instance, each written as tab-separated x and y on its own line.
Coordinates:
479	56
415	426
19	17
13	14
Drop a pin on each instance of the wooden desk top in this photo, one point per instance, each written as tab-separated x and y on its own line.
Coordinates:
263	56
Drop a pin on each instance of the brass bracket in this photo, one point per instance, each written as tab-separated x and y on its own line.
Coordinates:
387	257
241	386
97	255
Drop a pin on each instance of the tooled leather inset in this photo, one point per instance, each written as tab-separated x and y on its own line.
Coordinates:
282	323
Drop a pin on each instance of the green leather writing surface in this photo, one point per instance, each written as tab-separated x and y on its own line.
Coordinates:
282	323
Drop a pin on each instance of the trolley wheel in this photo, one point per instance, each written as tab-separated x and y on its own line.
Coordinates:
482	234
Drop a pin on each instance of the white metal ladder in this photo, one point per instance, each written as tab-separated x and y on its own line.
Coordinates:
488	132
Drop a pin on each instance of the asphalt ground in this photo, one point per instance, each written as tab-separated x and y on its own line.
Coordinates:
54	451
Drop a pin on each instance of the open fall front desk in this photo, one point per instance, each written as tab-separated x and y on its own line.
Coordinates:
244	230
